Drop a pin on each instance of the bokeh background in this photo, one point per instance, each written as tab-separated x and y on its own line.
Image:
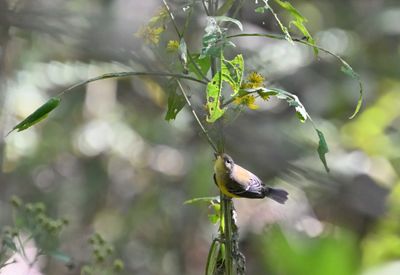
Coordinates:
108	161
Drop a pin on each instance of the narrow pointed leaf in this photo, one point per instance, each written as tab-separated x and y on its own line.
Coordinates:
322	149
38	115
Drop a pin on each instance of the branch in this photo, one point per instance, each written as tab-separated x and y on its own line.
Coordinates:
196	117
126	74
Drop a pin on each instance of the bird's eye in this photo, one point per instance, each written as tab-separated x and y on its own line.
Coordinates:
227	161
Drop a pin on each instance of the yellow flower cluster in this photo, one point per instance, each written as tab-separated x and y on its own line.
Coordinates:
254	80
150	35
172	45
156	26
247	100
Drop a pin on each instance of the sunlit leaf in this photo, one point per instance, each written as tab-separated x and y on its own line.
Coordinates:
232	72
322	149
214	98
38	115
175	101
213	218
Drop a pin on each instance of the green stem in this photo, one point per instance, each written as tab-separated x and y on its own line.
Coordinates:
127	74
226	208
196	117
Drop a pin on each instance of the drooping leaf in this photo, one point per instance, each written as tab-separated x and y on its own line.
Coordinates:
232	72
175	101
229	19
347	69
214	98
322	149
212	258
38	115
298	21
202	63
301	113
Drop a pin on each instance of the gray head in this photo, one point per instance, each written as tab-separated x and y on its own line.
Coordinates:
228	161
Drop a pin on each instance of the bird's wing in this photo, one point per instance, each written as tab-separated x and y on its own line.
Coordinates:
245	184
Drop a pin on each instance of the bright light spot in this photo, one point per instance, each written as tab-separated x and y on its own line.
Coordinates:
95	138
335	40
389	21
166	160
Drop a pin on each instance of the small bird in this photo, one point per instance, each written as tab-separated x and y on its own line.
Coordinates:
237	182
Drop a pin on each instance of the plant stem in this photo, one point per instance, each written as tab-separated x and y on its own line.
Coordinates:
196	117
226	209
125	74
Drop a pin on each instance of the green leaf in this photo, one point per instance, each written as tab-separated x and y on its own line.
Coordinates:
214	39
298	21
347	69
322	149
213	218
214	98
232	72
290	98
212	258
203	64
175	101
229	19
210	200
38	115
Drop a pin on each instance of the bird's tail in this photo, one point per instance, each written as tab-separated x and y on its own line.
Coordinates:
278	195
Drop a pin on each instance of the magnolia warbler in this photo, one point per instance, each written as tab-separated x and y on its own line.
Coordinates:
237	182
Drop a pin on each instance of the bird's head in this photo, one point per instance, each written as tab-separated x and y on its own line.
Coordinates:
225	162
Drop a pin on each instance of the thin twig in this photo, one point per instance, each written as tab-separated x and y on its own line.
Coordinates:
172	19
196	117
180	36
126	74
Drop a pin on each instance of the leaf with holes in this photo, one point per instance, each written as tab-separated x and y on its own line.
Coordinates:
232	72
214	98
